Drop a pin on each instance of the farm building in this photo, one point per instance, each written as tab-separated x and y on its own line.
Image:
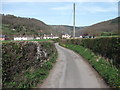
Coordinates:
50	36
23	38
67	36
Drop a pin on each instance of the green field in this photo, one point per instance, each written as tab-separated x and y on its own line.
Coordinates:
41	40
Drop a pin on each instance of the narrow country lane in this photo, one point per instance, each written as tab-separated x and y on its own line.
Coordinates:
72	71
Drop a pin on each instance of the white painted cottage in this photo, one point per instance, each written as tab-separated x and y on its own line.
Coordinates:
38	38
67	36
50	36
23	38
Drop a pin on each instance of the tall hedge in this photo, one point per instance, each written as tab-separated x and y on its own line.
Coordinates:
19	58
106	47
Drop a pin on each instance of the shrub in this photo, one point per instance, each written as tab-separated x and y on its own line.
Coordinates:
23	66
106	47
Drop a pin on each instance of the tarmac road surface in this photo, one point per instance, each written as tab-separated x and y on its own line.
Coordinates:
72	71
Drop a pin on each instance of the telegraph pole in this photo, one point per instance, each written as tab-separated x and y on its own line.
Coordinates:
74	20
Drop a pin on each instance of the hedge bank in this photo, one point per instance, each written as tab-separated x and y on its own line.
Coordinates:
106	47
25	64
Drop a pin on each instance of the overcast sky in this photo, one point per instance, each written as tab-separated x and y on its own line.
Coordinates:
61	13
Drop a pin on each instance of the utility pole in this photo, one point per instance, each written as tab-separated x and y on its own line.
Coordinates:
74	20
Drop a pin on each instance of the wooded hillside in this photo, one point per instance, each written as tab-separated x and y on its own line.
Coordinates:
13	25
99	28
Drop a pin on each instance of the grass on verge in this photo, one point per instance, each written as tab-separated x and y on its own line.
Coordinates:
26	40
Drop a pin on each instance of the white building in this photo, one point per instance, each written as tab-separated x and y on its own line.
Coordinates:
50	36
23	38
81	36
67	36
38	38
55	37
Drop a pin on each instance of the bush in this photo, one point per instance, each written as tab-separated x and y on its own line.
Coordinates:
24	64
106	47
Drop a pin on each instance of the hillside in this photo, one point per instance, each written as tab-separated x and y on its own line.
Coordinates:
99	28
110	26
25	64
64	29
12	25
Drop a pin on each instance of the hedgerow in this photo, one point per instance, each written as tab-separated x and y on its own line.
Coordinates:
23	65
106	47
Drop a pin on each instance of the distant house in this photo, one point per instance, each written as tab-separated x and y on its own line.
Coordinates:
50	36
67	36
78	37
55	37
30	38
38	38
81	36
2	37
23	38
